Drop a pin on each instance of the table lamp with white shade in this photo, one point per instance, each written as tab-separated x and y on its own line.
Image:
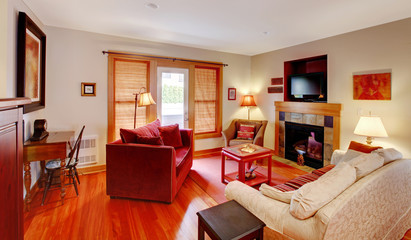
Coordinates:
371	127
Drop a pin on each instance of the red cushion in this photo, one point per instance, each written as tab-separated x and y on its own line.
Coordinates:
246	131
149	130
245	135
171	135
362	147
246	128
181	154
149	140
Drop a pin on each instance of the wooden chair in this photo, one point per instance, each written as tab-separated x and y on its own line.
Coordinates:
53	166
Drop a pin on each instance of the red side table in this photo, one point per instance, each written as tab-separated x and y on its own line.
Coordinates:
238	154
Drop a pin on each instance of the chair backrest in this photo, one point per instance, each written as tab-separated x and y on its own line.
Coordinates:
76	148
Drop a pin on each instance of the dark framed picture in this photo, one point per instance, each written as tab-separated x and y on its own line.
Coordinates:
88	89
31	63
231	94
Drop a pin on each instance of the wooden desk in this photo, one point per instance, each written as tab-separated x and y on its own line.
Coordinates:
52	147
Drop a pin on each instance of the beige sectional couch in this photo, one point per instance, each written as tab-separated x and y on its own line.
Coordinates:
376	206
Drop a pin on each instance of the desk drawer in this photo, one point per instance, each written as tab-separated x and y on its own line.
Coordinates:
44	152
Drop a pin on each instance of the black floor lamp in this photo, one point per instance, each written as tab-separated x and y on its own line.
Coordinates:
145	99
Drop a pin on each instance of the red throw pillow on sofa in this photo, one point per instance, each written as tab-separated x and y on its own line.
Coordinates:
362	147
149	130
171	135
149	140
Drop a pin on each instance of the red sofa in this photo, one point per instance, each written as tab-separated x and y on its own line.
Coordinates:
149	172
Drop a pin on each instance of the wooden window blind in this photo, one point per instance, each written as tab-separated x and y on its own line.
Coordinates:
207	100
128	77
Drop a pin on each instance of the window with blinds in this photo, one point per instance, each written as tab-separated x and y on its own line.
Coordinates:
206	100
128	73
128	77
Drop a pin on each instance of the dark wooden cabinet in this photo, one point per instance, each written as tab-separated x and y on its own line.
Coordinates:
301	66
11	168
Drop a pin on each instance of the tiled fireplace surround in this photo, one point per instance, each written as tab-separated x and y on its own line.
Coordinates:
326	115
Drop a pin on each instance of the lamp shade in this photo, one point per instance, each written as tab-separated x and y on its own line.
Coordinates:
145	99
248	101
370	127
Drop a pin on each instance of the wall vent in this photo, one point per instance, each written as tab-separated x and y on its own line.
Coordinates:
88	150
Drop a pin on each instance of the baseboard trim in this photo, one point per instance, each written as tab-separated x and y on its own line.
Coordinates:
212	151
92	169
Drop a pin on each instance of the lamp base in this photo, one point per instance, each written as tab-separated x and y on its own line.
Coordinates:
369	140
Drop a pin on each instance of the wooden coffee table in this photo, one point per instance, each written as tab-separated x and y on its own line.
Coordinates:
238	154
229	221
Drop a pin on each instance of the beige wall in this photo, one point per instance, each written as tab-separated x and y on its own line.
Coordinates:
3	48
383	47
75	56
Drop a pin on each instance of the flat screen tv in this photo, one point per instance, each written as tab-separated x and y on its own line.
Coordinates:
307	87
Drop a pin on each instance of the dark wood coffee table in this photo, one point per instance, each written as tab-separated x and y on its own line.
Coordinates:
237	154
229	221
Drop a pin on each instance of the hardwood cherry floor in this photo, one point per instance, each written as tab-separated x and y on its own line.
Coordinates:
93	215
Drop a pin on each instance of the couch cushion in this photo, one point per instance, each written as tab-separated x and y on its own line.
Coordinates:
389	154
350	154
365	163
149	130
276	194
181	154
171	135
149	140
362	147
312	196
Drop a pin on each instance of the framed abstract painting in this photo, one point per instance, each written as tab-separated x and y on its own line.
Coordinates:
31	63
372	86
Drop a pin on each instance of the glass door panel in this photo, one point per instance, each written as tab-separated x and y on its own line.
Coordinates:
172	104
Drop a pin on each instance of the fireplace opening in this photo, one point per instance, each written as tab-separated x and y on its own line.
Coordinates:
306	141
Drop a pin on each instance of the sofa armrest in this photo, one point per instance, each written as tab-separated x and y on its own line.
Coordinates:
337	156
270	211
275	214
140	171
229	133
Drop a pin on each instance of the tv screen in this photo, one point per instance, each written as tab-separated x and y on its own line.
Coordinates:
307	87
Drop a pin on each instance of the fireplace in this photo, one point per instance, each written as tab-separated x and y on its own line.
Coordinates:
323	115
305	140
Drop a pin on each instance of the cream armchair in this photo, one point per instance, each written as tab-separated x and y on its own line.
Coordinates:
230	134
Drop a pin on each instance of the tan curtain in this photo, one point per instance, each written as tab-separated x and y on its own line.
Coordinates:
129	77
205	99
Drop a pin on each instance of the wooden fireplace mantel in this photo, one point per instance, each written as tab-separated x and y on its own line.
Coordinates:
326	109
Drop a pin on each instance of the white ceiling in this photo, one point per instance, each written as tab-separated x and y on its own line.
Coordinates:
235	26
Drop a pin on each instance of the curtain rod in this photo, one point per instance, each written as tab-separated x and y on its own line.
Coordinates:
165	58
